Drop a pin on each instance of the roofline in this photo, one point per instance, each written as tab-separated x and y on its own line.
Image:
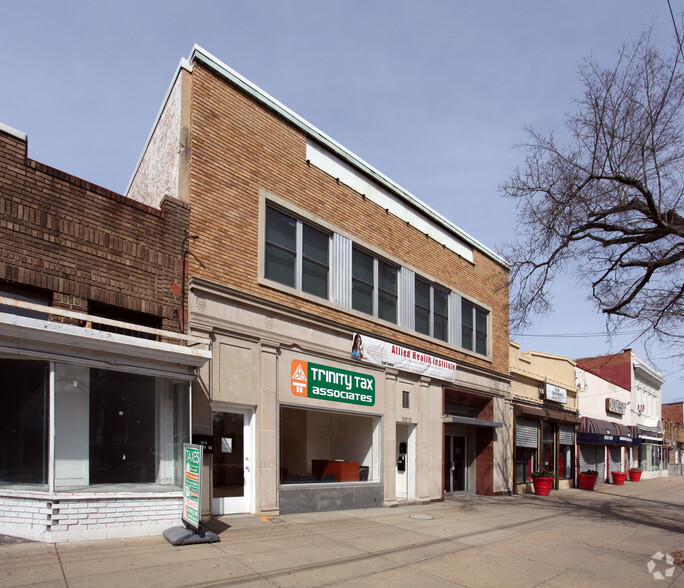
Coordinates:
201	55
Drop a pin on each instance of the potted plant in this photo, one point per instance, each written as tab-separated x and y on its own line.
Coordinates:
587	480
634	474
542	480
619	478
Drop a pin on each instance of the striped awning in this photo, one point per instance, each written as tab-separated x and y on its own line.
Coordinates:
600	432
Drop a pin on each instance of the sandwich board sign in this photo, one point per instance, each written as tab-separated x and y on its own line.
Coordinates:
191	532
192	485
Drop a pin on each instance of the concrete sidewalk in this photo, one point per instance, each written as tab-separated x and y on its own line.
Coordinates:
571	538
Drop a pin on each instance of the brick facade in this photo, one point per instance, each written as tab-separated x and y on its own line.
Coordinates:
80	242
239	147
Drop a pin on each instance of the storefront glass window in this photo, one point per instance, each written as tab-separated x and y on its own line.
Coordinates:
565	461
547	447
117	428
324	447
525	464
110	427
24	422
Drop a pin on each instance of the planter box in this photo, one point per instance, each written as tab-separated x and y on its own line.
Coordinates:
542	486
619	478
587	481
634	475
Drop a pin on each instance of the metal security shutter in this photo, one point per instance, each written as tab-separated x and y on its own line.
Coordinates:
591	458
526	433
614	458
566	435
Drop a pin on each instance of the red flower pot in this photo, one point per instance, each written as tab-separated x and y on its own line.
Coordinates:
542	486
634	475
619	478
587	481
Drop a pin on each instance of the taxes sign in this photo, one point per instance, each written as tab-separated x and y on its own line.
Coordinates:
312	380
192	484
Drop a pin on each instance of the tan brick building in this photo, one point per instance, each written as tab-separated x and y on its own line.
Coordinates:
545	416
298	246
96	373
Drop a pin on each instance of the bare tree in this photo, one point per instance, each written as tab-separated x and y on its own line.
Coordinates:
606	200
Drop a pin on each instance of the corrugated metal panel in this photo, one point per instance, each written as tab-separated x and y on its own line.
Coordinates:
342	276
407	298
615	458
526	433
566	435
592	458
455	319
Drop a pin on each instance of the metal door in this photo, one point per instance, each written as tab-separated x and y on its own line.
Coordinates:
455	464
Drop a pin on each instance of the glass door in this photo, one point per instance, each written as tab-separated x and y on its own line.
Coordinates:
233	471
455	464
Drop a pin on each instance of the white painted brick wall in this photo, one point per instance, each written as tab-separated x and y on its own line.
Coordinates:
69	519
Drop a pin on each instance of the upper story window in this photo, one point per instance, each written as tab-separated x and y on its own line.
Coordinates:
473	328
431	310
297	254
374	286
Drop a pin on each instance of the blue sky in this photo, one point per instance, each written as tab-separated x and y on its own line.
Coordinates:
434	94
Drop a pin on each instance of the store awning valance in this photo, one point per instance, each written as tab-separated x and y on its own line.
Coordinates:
471	421
600	432
546	413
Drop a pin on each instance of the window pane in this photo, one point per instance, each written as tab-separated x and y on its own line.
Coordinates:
466	325
315	447
387	292
362	281
24	422
481	332
315	245
122	425
387	277
281	239
441	314
280	265
387	306
315	261
362	297
315	278
422	307
362	266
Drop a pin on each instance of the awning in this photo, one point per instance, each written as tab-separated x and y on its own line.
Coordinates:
600	432
471	421
641	433
546	413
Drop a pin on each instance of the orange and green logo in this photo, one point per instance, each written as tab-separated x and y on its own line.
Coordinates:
312	380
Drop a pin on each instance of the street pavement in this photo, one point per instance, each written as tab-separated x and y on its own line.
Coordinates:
613	536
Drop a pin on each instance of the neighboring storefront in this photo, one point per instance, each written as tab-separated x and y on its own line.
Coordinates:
544	417
604	446
637	398
605	439
93	425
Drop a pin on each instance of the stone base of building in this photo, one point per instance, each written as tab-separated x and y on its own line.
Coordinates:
316	498
55	518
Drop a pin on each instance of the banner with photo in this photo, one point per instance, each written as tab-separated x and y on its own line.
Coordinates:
365	348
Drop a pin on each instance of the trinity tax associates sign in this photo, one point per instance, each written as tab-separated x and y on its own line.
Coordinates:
312	380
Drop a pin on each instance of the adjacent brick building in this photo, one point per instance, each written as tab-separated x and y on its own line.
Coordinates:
627	371
95	365
545	415
301	246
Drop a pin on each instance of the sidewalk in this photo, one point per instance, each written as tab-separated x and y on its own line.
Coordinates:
571	538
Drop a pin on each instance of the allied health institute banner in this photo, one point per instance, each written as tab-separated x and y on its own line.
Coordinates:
365	348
